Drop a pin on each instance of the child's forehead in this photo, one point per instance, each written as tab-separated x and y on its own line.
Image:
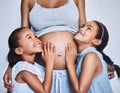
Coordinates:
25	32
26	29
92	24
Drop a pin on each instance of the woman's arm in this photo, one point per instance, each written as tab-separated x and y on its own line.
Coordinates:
7	78
82	14
25	8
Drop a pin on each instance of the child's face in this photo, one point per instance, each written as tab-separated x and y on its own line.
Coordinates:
29	43
87	34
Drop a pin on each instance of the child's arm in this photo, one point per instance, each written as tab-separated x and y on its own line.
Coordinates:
48	55
90	69
36	85
71	54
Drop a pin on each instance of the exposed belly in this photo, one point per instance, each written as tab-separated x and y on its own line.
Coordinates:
59	40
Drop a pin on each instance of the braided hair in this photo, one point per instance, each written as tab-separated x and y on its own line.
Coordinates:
104	36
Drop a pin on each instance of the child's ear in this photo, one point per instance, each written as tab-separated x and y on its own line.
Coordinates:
19	51
97	42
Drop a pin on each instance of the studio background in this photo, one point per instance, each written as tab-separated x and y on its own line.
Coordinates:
105	11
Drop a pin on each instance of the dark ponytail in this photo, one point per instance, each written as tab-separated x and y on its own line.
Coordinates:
13	43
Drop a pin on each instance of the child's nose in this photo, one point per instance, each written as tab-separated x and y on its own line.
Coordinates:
82	29
38	40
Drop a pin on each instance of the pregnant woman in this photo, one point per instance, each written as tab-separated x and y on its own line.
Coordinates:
54	21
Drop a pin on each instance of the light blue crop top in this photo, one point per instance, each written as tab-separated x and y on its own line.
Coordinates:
45	20
100	83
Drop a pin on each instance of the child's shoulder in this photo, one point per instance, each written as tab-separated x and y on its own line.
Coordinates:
24	66
91	55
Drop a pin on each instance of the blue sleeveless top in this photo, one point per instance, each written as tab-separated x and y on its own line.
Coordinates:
100	83
25	66
45	20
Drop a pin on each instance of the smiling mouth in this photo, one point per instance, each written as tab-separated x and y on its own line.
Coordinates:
38	45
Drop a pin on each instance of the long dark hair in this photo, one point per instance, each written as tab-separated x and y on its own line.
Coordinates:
13	43
104	36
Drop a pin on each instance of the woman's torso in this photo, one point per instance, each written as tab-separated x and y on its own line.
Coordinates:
60	40
57	23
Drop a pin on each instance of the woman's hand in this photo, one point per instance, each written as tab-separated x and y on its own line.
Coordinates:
110	71
7	78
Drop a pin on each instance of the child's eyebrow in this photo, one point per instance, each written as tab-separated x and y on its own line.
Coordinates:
27	35
90	26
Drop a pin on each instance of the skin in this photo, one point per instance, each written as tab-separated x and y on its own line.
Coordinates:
91	63
29	46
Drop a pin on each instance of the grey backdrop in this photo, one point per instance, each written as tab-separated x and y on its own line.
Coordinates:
106	11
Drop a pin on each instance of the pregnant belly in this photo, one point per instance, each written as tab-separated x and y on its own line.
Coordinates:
59	40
